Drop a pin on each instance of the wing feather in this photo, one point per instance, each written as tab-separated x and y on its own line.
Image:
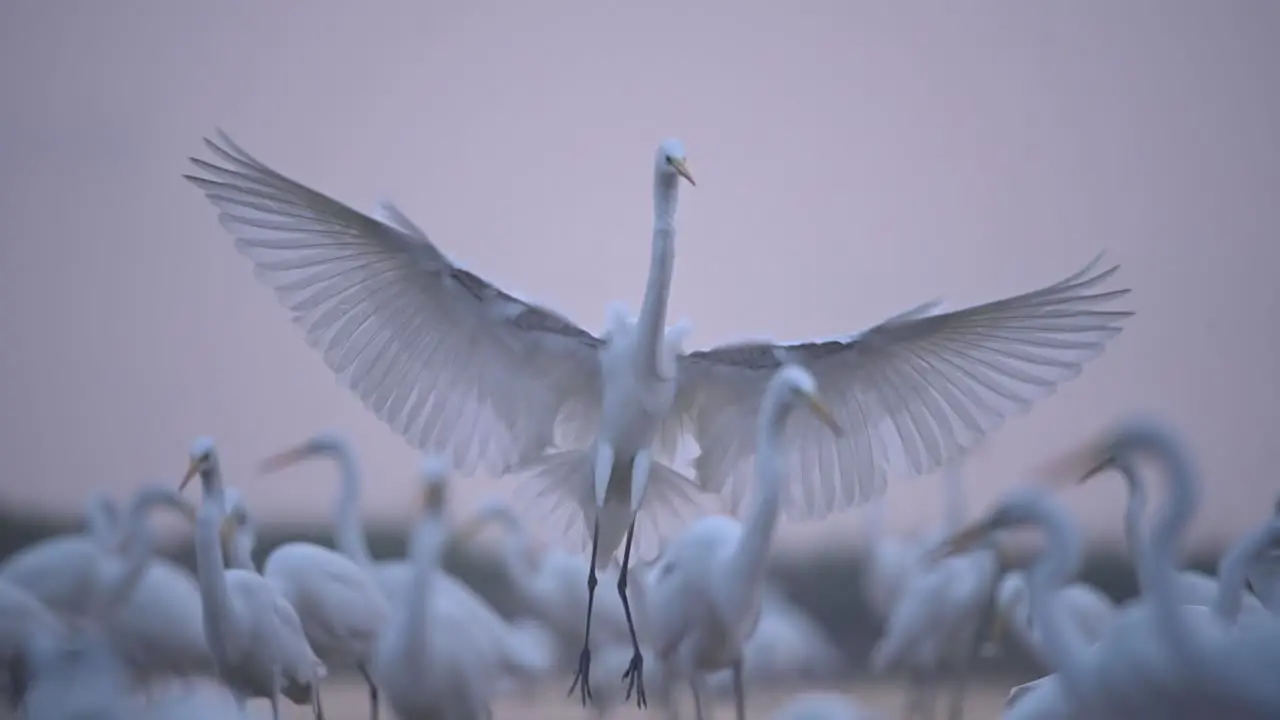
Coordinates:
915	392
448	360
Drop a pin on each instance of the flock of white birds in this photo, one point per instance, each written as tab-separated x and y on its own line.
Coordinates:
591	430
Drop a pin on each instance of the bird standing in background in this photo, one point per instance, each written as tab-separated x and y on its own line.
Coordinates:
458	366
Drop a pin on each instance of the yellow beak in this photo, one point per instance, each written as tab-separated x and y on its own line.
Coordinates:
192	470
960	542
1074	466
683	170
824	414
282	460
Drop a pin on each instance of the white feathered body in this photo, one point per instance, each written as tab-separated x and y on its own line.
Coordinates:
264	642
685	596
341	608
159	630
63	572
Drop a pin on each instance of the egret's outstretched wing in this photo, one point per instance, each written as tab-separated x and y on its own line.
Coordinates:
914	392
448	360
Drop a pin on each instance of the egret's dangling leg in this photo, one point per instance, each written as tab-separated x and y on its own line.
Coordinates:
603	470
584	657
739	694
635	670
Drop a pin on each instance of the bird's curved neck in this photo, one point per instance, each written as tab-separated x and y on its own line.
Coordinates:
215	599
138	543
1158	560
750	556
1233	568
1047	576
1133	513
426	554
653	310
351	539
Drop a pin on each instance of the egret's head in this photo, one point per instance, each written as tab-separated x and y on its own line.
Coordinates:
318	444
671	161
1016	510
801	384
434	471
236	518
202	460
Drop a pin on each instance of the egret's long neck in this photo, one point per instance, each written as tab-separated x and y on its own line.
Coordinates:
215	599
653	311
1133	512
1233	568
425	555
749	557
1055	567
1158	560
139	542
350	537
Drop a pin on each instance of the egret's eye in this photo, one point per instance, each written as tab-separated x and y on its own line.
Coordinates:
671	161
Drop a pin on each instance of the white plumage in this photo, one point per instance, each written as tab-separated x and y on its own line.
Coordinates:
458	366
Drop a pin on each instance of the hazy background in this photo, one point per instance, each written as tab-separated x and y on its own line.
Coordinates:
853	159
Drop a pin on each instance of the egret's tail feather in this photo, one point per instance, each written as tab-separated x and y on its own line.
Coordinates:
557	490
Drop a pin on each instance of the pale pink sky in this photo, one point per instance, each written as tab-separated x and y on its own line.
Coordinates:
853	159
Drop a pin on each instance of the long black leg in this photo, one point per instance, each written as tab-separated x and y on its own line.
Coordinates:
635	671
373	694
739	694
584	658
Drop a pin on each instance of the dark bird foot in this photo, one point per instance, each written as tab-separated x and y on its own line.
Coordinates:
634	677
580	680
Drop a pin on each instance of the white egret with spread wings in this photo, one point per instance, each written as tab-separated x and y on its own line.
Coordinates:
458	366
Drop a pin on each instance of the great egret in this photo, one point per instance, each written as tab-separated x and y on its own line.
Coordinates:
1193	587
432	661
460	367
72	669
1088	610
1222	666
256	638
341	609
788	647
934	627
348	527
704	594
1097	682
892	560
548	581
21	616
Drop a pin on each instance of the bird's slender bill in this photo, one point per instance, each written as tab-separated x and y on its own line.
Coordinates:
683	170
192	470
282	460
1075	466
824	414
962	541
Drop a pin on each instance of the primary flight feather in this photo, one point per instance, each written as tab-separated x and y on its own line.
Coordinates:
456	365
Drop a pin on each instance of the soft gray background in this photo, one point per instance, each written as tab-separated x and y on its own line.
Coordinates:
853	159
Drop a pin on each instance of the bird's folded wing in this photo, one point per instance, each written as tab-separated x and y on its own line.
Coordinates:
448	360
913	392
